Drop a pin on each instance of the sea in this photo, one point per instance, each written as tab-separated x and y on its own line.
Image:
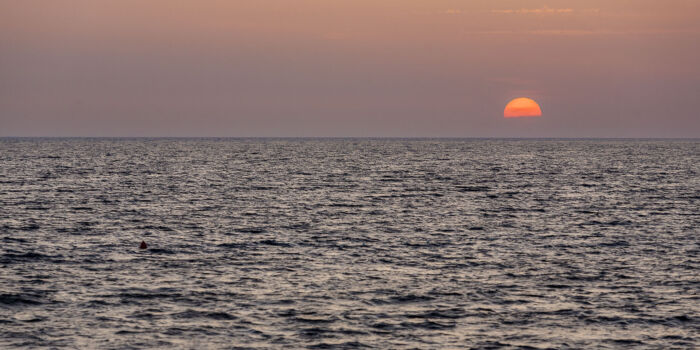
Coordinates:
349	243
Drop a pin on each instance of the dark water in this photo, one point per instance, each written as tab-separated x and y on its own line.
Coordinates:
349	244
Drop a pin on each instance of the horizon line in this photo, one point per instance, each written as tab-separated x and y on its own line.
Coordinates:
367	137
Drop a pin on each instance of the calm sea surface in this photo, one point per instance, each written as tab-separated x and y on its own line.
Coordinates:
349	243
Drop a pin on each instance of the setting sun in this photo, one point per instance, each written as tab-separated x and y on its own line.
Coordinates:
522	107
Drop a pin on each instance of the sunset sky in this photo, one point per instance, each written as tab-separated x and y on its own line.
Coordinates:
433	68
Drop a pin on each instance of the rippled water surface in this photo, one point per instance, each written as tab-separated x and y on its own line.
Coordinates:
349	243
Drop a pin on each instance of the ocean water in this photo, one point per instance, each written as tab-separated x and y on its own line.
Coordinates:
349	243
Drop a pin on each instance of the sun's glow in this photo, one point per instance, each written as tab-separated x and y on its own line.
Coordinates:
522	107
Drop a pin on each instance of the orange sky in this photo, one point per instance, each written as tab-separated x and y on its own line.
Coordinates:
347	68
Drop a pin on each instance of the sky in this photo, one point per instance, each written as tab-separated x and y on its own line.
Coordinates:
349	68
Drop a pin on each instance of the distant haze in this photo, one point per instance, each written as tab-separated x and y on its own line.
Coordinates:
438	68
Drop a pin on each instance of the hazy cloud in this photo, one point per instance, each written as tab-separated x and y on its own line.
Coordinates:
538	11
574	32
451	12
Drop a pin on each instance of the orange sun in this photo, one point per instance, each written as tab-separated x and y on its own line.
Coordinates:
522	107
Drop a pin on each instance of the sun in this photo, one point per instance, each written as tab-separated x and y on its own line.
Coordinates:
522	107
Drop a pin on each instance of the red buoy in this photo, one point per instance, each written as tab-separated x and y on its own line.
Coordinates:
143	245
